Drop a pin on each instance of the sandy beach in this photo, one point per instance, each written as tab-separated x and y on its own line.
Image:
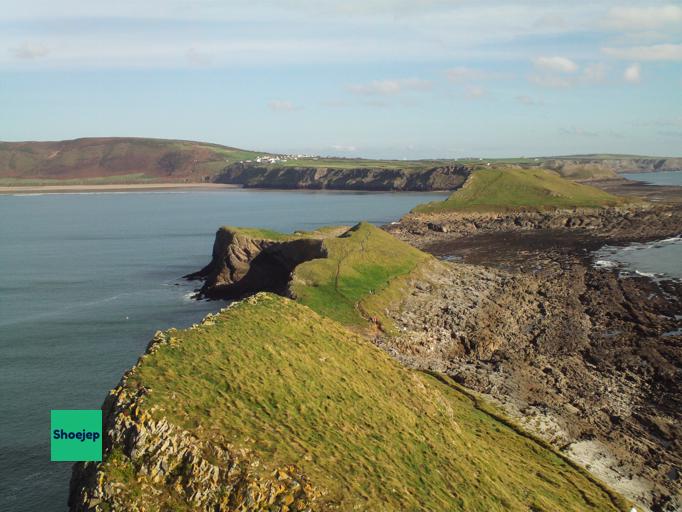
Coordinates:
57	189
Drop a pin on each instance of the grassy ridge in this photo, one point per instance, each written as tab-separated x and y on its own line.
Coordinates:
271	375
505	189
348	285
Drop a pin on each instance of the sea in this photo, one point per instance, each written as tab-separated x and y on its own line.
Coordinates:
658	259
87	278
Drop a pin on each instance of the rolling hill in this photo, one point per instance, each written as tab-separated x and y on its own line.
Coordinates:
114	160
506	189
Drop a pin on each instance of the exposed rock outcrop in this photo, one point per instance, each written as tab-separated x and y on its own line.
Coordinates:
242	264
643	221
579	355
449	177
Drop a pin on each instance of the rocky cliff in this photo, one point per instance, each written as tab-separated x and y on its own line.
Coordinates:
448	177
242	263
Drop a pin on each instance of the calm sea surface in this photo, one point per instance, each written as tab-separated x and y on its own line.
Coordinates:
86	279
662	258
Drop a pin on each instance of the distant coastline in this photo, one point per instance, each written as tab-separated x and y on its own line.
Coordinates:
56	189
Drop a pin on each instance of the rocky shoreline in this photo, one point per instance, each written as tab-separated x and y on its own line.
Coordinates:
579	355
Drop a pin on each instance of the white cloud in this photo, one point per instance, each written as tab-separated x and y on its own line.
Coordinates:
556	64
652	52
390	87
282	106
633	73
29	51
197	57
643	18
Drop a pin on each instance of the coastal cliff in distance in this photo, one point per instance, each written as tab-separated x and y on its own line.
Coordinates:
445	177
602	166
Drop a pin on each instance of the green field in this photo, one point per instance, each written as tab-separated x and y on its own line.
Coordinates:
294	387
506	189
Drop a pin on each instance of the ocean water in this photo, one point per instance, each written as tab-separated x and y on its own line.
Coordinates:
662	258
657	178
86	280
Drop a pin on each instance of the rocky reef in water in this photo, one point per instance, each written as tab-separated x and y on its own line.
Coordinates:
639	221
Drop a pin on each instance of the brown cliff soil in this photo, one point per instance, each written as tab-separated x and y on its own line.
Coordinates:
580	355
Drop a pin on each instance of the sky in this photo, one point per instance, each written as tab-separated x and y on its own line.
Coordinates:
373	78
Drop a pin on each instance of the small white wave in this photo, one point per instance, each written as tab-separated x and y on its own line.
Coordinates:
605	264
645	274
672	240
189	297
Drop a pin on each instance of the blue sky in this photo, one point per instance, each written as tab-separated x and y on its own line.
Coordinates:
377	78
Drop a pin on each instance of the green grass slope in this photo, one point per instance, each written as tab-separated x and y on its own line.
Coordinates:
362	269
505	189
291	387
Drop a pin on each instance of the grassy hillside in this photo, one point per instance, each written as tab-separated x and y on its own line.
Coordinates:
113	160
504	189
289	386
350	283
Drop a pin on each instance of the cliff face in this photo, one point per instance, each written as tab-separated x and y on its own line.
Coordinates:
365	178
241	264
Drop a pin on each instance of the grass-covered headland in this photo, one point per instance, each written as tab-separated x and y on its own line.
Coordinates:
281	404
507	188
281	385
